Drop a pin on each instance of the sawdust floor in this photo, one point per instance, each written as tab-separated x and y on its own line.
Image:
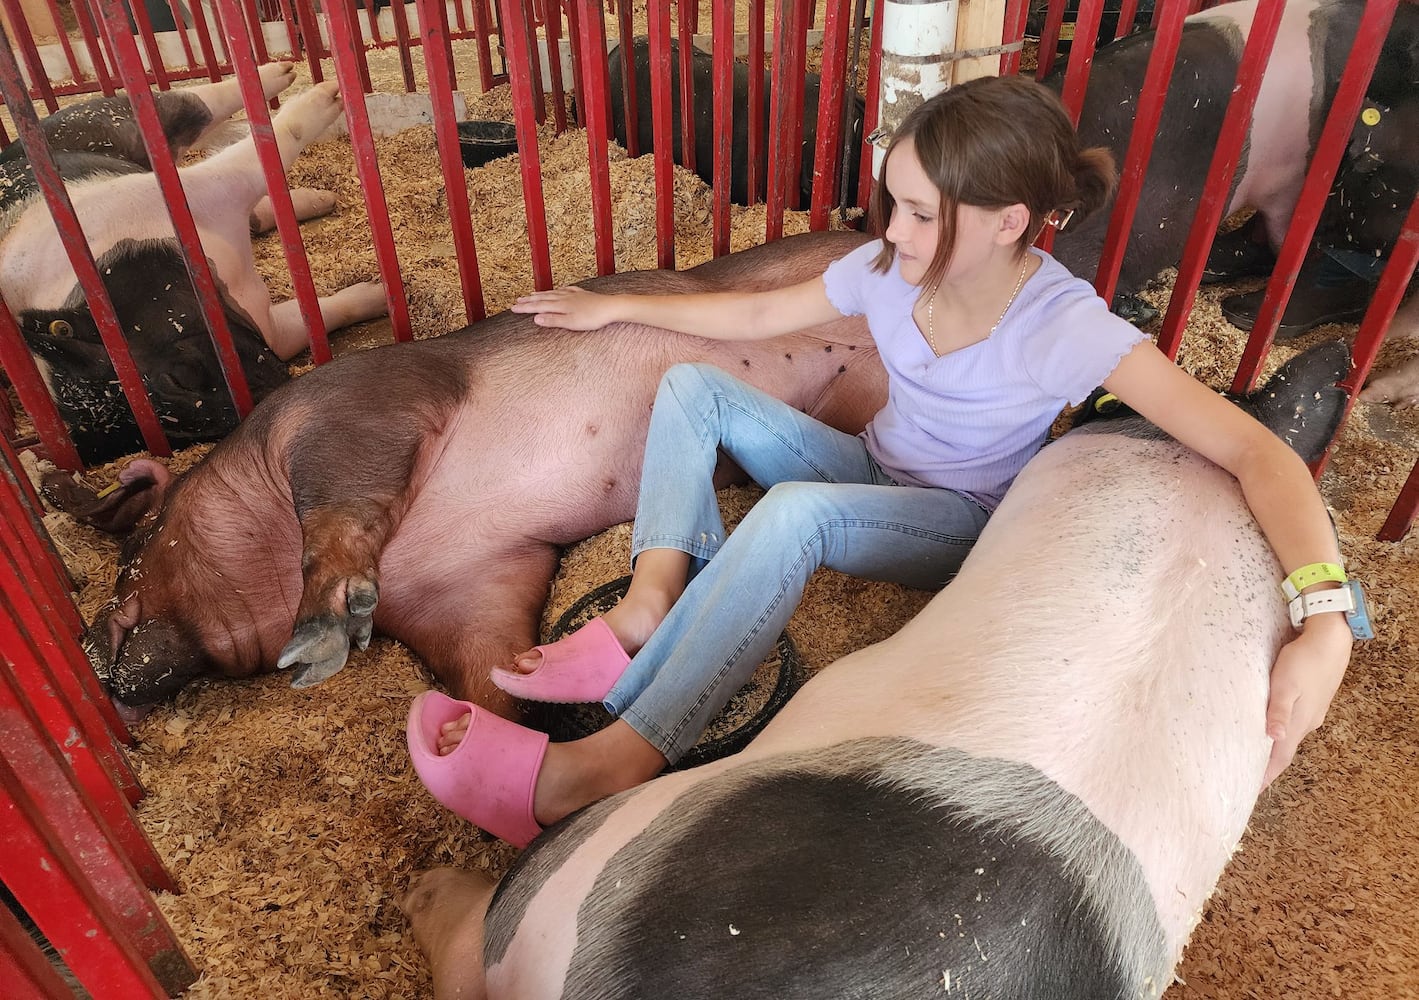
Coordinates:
290	819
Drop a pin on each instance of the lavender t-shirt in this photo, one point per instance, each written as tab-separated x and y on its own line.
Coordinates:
970	420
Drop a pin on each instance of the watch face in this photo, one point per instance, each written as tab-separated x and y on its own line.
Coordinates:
1359	618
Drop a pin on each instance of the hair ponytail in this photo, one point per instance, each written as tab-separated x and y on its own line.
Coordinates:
1095	178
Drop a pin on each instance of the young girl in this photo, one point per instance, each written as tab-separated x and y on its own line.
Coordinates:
984	339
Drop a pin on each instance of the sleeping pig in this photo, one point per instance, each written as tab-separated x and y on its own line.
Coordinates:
424	489
100	154
1028	793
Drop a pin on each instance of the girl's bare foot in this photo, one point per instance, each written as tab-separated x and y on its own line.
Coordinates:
446	907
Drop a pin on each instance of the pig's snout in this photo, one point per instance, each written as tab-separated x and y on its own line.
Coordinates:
140	665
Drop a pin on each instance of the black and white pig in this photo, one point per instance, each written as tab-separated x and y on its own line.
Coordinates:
702	74
1028	793
424	489
1299	84
120	206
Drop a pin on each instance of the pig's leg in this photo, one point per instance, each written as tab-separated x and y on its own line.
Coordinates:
309	203
355	303
471	614
223	99
223	190
446	908
1399	385
341	545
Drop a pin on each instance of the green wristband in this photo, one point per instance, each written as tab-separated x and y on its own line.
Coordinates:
1313	573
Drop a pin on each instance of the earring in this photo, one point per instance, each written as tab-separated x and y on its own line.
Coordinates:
1059	219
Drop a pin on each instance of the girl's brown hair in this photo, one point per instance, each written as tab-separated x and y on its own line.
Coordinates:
993	142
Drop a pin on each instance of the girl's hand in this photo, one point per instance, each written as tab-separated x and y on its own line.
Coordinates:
571	308
1304	679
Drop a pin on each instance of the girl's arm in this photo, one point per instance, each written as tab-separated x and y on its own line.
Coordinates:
1283	499
717	315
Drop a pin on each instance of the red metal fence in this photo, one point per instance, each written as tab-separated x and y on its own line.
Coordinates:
76	860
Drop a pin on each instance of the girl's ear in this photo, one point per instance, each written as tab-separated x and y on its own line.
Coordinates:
1014	221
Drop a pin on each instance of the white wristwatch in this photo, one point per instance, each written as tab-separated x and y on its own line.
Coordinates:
1349	599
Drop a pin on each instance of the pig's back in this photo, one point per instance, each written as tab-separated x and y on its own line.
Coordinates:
1050	648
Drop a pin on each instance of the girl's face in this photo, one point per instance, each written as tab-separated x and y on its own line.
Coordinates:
915	226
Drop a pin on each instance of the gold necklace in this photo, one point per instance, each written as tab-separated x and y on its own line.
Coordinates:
931	309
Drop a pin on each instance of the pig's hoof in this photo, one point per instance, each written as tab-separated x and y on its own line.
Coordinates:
310	113
1397	386
276	77
318	649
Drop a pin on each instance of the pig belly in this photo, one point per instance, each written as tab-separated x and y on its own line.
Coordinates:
1093	683
1279	142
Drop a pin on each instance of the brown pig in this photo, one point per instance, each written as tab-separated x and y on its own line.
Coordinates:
425	489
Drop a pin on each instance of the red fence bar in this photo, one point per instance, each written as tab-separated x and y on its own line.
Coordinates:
199	271
780	123
156	72
346	51
1049	38
252	20
78	889
61	209
485	55
34	396
204	41
39	80
401	33
832	93
181	30
1401	516
1076	78
1236	124
534	61
74	72
869	119
24	968
1012	34
1330	147
310	32
91	42
554	67
688	121
755	186
626	33
574	45
722	71
1394	280
662	130
1140	149
1127	12
36	560
519	75
798	54
263	134
433	24
593	105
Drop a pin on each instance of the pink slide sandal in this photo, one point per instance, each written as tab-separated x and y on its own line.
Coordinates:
491	777
580	667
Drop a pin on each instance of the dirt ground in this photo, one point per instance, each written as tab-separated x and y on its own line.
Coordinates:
292	818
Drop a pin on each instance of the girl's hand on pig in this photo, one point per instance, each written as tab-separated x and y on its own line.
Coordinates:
1304	679
570	308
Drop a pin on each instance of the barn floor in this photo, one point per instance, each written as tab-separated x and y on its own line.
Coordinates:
291	819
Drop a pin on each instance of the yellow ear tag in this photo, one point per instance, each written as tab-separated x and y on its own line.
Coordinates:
1370	116
1105	403
107	489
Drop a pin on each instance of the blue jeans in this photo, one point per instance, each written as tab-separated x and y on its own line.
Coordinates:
828	504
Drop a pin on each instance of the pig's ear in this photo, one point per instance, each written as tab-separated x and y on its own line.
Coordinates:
140	490
1301	403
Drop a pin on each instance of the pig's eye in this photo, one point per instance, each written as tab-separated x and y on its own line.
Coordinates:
61	328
